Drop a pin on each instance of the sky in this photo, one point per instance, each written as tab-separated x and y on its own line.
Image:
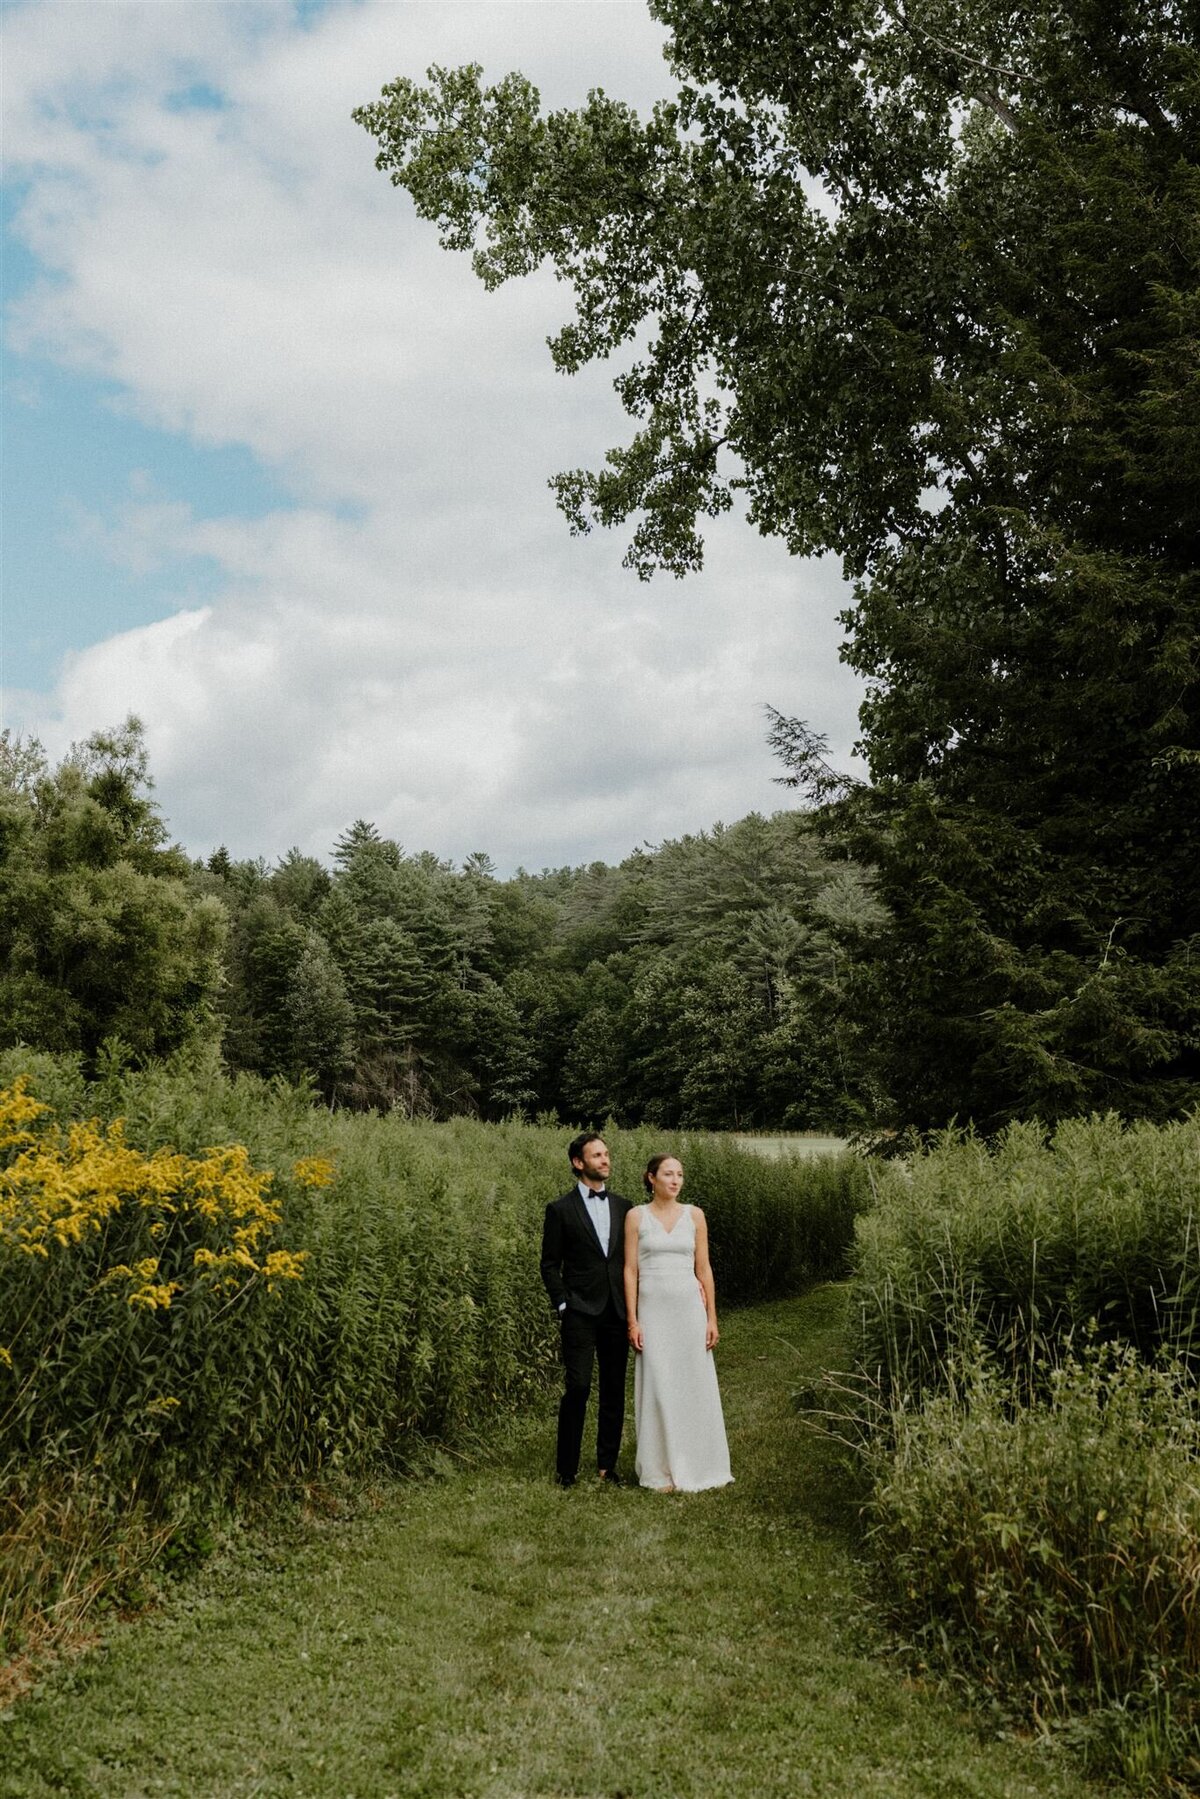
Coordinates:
275	465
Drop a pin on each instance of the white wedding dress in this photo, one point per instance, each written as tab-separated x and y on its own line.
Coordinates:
680	1431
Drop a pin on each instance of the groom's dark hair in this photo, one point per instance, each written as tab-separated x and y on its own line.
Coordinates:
577	1145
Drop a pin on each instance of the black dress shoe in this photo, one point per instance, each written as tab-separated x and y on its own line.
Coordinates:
564	1480
610	1478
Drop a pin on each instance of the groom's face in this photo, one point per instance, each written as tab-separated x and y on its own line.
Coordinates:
593	1162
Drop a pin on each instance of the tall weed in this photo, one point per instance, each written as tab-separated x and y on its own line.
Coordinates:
1052	1549
1026	1245
395	1302
775	1226
1029	1344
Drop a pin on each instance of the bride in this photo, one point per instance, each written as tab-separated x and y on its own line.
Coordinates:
672	1316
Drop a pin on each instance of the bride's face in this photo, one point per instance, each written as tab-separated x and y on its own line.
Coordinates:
668	1179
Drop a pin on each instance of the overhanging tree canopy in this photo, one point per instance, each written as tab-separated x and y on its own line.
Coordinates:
919	282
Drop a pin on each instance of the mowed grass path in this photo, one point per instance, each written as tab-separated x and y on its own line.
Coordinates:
484	1634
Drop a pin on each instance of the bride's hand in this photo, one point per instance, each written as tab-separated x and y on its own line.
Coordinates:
712	1335
635	1337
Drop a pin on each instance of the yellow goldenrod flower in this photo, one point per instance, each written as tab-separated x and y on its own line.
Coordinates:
285	1265
154	1296
61	1188
313	1171
18	1110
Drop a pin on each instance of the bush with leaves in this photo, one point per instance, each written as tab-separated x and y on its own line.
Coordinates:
1028	1318
1051	1551
101	935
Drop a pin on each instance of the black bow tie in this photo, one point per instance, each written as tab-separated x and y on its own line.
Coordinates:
603	1193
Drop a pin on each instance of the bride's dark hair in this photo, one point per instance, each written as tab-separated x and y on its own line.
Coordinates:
653	1166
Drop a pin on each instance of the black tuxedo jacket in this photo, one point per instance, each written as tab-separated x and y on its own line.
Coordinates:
574	1267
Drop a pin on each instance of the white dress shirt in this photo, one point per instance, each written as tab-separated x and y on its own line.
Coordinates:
597	1211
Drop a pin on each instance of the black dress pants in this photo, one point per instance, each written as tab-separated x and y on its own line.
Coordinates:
602	1339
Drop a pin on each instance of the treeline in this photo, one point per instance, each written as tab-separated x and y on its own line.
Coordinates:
700	983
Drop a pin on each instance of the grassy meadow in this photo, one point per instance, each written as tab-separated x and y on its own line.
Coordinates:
477	1634
1027	1319
218	1301
187	1332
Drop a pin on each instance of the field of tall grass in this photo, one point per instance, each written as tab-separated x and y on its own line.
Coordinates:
215	1296
1030	1243
1028	1319
213	1293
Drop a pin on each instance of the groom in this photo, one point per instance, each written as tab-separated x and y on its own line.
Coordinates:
583	1254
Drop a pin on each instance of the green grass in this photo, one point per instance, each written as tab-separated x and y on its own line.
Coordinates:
1052	1550
420	1315
1030	1245
809	1144
484	1634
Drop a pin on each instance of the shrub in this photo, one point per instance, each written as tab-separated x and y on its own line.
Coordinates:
1052	1549
775	1226
1029	1341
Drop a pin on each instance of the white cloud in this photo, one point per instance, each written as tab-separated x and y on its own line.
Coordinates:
419	640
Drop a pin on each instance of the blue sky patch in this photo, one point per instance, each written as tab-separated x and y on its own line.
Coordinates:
72	460
198	96
71	463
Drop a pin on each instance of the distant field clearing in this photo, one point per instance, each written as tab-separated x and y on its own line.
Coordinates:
774	1147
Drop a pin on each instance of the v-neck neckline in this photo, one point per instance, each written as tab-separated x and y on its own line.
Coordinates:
667	1230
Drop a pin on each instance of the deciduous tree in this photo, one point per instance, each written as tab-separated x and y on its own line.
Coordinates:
100	934
917	283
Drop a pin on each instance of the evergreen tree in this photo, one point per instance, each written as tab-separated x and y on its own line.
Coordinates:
321	1018
300	884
